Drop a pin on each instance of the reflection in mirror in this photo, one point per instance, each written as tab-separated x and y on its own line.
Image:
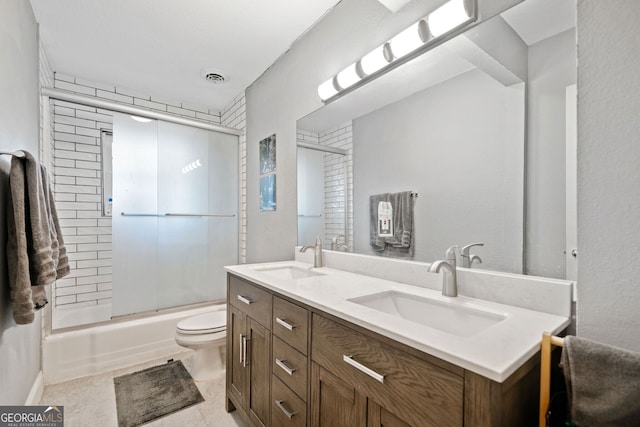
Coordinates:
477	127
323	201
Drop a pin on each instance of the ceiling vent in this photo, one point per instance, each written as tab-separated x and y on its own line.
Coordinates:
213	76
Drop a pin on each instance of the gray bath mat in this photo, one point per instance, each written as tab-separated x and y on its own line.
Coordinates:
154	392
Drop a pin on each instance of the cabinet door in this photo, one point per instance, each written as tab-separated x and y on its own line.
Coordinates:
380	417
335	402
236	344
259	365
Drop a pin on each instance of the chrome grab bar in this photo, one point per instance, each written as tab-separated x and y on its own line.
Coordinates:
359	366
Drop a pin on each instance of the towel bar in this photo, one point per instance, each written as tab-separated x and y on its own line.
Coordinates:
178	214
545	372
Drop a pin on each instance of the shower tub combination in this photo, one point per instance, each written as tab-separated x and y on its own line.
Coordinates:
174	219
117	344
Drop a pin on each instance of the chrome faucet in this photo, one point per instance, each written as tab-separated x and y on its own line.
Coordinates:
450	282
334	242
317	252
467	258
335	246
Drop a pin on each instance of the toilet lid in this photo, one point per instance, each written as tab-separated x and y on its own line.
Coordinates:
214	321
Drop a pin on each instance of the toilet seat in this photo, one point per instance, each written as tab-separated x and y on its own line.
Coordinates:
207	323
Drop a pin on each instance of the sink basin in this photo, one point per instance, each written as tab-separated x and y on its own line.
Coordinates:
289	272
450	317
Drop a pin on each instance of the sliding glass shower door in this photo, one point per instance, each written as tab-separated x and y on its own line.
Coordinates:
175	222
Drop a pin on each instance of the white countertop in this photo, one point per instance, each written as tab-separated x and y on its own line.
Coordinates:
495	352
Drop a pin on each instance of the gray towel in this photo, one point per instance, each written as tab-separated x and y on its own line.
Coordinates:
401	243
603	383
34	241
59	251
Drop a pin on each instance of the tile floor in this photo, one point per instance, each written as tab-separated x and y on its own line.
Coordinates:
91	401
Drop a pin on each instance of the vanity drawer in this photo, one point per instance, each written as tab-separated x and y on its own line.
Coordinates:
413	389
290	366
287	409
251	300
290	322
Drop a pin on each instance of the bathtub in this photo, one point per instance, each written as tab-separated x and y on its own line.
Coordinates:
117	344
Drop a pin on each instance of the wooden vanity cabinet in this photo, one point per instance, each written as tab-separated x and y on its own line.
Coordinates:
249	350
394	384
289	364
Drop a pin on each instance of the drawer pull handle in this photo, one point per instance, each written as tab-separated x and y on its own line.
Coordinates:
285	324
279	404
283	365
359	366
244	299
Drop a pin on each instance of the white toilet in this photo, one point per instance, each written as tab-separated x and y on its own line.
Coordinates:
204	333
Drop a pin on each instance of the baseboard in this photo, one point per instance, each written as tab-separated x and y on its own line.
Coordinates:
37	389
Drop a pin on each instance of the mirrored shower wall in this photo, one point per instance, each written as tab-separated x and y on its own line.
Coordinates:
175	214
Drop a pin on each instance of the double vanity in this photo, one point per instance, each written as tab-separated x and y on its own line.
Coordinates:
331	346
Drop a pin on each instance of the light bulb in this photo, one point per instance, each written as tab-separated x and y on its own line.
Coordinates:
327	89
408	40
374	60
447	17
348	76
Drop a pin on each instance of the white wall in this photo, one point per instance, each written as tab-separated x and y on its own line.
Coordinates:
447	143
609	172
552	67
287	91
20	359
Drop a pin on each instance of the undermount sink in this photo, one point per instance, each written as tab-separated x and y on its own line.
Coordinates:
289	272
452	317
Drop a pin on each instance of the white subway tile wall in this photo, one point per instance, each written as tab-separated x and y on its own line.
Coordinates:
338	188
78	187
235	116
46	129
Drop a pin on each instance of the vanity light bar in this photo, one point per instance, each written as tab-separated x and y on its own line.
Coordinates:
439	24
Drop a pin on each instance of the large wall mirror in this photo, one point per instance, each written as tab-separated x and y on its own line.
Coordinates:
480	128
